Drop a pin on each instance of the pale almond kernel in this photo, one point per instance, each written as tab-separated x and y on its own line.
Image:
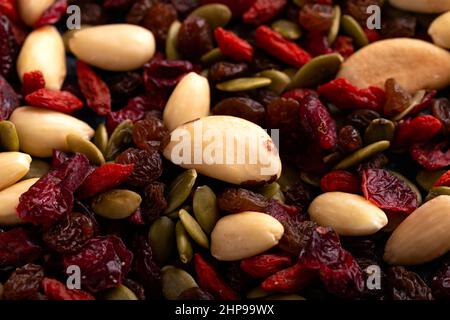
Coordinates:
422	6
13	167
439	30
31	10
189	101
242	235
42	130
43	50
9	200
348	214
423	236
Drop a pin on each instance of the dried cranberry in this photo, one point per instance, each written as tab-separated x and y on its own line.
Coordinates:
235	200
124	86
344	46
8	48
349	139
158	20
316	43
151	134
298	94
61	101
265	265
154	202
441	283
342	181
300	195
316	16
9	9
165	73
431	156
134	111
223	70
104	263
407	285
244	108
8	99
397	99
16	248
53	14
418	130
194	38
56	290
444	180
195	294
147	165
441	110
24	283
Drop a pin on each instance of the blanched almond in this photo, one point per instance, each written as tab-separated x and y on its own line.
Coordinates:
31	10
113	47
9	199
42	130
422	6
189	101
423	236
439	30
13	167
348	214
415	64
227	148
43	50
242	235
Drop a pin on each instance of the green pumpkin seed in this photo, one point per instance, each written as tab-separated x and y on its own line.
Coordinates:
116	204
161	237
184	245
418	97
90	150
279	196
256	293
120	292
269	190
334	30
193	229
101	137
290	72
212	56
38	168
175	281
285	297
427	179
217	15
180	189
362	154
410	184
171	41
378	130
9	140
205	208
438	191
333	158
244	84
120	139
351	27
289	176
280	80
317	71
287	29
310	179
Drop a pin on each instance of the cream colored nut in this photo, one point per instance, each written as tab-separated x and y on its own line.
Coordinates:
9	200
114	47
31	10
243	235
189	101
439	30
348	214
43	50
42	130
400	58
227	148
422	6
423	236
13	167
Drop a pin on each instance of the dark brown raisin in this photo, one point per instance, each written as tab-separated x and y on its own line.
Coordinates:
185	6
24	283
265	97
158	20
361	119
138	11
154	202
92	14
194	38
222	71
245	108
235	200
300	194
398	24
358	9
441	110
349	139
126	85
150	134
407	285
147	165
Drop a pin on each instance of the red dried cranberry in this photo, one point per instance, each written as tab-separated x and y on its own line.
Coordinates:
194	38
165	73
16	248
342	181
431	156
316	43
56	290
158	20
244	108
344	46
24	283
234	200
349	139
8	48
441	110
418	130
134	111
8	99
9	9
147	165
53	14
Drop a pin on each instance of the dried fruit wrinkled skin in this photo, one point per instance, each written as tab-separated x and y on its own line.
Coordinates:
238	200
194	38
16	248
56	290
407	285
147	165
8	99
24	283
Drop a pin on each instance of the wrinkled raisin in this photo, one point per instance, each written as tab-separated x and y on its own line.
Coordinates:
194	38
138	11
316	17
441	110
221	71
165	73
154	202
361	119
8	99
17	248
235	200
24	283
441	283
349	139
125	85
398	25
158	20
300	195
407	285
150	134
397	99
185	6
8	47
92	14
147	165
245	108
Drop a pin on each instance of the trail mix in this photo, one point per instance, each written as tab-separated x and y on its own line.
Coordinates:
349	197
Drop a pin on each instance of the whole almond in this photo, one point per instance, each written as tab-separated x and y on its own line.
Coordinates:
189	101
242	235
422	6
423	236
31	11
348	214
13	167
114	47
43	50
243	152
9	199
42	130
400	58
439	30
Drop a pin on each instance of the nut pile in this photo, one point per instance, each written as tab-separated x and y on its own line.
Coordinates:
324	150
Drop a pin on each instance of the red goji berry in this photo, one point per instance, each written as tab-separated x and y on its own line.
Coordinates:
346	96
62	101
8	8
290	280
94	89
372	34
265	265
52	14
341	180
418	130
287	51
431	156
32	81
232	46
443	181
263	10
344	46
104	178
210	280
317	43
298	94
55	290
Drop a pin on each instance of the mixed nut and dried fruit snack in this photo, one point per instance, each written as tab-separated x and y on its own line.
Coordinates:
225	150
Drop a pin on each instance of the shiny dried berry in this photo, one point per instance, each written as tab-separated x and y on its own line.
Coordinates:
53	14
407	285
104	263
62	101
397	99
244	108
154	201
342	181
398	25
361	119
92	14
290	280
24	283
233	46
194	38
16	248
316	43
344	46
194	294
32	81
138	11
8	99
126	85
349	139
223	70
263	10
9	9
56	290
431	156
151	134
441	110
234	200
165	73
147	165
441	283
134	111
298	94
300	195
8	48
418	130
69	235
158	20
358	9
316	16
387	191
265	265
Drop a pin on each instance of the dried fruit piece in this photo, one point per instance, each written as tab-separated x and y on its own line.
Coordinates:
263	10
232	46
431	156
158	19
16	248
444	180
8	46
241	107
24	283
341	180
441	110
134	111
194	38
32	81
316	17
349	139
53	14
407	285
155	202
418	130
234	200
8	99
165	74
56	290
265	265
62	101
290	280
150	134
147	165
397	99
